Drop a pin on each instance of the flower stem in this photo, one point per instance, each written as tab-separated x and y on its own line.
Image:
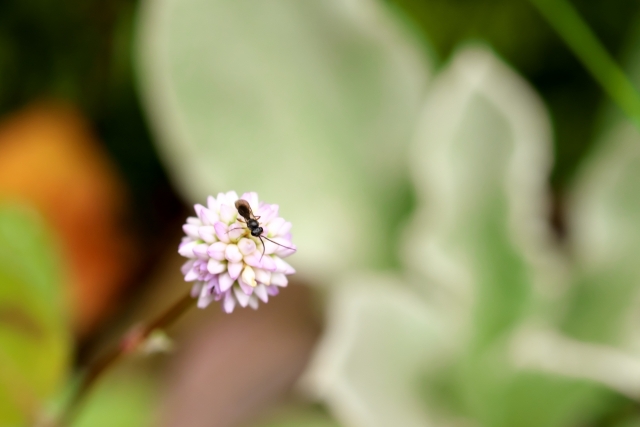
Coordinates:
563	17
129	342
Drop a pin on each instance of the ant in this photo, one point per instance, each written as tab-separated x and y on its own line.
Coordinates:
252	223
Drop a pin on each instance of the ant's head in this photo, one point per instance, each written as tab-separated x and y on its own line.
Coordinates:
256	231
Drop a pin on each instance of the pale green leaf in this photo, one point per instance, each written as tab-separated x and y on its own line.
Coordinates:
310	104
379	340
126	397
480	162
34	339
481	238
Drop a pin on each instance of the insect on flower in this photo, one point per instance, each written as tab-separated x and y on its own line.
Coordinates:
231	267
244	209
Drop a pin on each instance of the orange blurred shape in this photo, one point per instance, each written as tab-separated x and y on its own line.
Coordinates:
50	159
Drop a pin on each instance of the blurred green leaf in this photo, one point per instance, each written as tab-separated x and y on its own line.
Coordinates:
299	416
480	161
379	340
605	213
126	397
604	210
34	339
309	103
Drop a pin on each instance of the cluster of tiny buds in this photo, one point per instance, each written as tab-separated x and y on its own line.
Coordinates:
236	248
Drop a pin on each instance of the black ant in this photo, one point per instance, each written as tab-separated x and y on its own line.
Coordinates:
244	209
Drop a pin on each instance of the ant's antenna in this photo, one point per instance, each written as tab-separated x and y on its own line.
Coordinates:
263	246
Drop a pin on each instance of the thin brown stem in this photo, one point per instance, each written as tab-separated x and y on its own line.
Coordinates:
129	342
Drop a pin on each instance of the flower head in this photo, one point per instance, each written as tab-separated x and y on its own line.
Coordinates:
229	264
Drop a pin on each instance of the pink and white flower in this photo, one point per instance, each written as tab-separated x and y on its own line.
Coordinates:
226	263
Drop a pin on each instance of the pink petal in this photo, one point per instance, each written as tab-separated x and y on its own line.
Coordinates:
228	213
216	251
274	226
253	260
234	268
279	279
186	249
207	233
191	230
187	266
263	276
191	276
243	299
201	250
261	292
237	230
246	246
215	266
232	253
283	266
253	302
205	298
273	290
229	303
212	204
225	281
244	286
268	263
222	231
195	289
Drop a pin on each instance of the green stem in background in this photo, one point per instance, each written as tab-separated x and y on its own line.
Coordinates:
128	344
578	36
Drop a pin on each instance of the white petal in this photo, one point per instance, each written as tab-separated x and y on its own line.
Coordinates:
191	275
246	246
249	276
216	250
195	289
243	299
205	298
228	213
261	292
253	302
186	250
282	266
187	266
194	221
201	251
229	303
207	233
232	253
225	281
191	230
263	276
274	226
235	268
215	266
279	279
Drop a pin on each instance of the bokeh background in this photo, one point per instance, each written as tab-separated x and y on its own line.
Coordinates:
464	196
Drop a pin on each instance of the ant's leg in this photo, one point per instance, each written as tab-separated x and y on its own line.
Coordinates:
263	247
238	228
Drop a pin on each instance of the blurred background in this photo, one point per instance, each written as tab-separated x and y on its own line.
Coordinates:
464	196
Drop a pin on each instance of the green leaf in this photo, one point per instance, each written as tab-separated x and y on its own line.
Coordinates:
480	162
378	341
299	415
34	338
127	397
309	103
604	210
480	238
